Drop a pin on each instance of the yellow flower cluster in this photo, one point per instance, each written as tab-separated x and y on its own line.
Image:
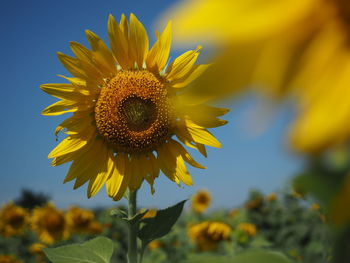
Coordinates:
9	259
207	235
48	222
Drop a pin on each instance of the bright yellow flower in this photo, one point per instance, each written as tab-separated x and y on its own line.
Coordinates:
37	248
9	259
13	220
201	201
286	47
50	224
248	228
127	105
207	235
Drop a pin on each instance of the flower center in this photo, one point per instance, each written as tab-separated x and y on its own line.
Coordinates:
344	12
134	113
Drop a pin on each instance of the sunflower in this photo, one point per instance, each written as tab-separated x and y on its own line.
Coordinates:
286	47
50	224
79	219
127	107
13	220
247	228
207	235
201	201
9	259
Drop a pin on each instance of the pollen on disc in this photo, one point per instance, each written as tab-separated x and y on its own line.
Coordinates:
133	112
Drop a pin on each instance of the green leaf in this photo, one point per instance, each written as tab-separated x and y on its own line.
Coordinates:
253	256
161	224
97	250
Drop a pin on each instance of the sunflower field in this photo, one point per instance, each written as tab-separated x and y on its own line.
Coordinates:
284	222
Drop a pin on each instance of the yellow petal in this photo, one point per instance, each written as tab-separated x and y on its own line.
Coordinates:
87	61
193	74
159	53
104	172
137	173
72	65
119	43
60	107
198	134
138	41
173	164
119	180
75	124
64	91
71	144
185	138
185	155
124	27
88	164
182	65
101	53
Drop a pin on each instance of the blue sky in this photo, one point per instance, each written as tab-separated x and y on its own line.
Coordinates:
31	34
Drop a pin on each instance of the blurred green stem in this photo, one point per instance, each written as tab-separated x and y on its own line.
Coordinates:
133	228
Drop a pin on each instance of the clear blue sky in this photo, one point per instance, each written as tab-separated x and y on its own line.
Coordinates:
31	34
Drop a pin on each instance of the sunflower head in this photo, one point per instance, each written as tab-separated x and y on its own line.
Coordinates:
248	228
79	219
207	235
201	201
128	104
13	220
50	224
9	259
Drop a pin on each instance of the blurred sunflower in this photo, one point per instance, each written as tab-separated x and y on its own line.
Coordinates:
248	228
127	105
79	219
201	201
290	47
9	259
13	220
50	224
207	235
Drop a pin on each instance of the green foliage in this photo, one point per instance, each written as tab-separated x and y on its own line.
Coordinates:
98	250
161	224
245	257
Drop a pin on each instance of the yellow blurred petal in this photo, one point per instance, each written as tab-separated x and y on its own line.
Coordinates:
60	107
220	21
124	27
159	53
182	65
119	43
185	138
138	41
102	54
62	91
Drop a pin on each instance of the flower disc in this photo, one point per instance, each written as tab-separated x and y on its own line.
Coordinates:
133	112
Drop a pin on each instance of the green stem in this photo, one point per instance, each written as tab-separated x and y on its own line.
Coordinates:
133	228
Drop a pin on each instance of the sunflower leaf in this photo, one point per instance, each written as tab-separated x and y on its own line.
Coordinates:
161	224
97	250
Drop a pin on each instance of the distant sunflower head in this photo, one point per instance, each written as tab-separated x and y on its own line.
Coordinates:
201	201
248	228
79	220
128	106
9	259
13	220
50	224
207	235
